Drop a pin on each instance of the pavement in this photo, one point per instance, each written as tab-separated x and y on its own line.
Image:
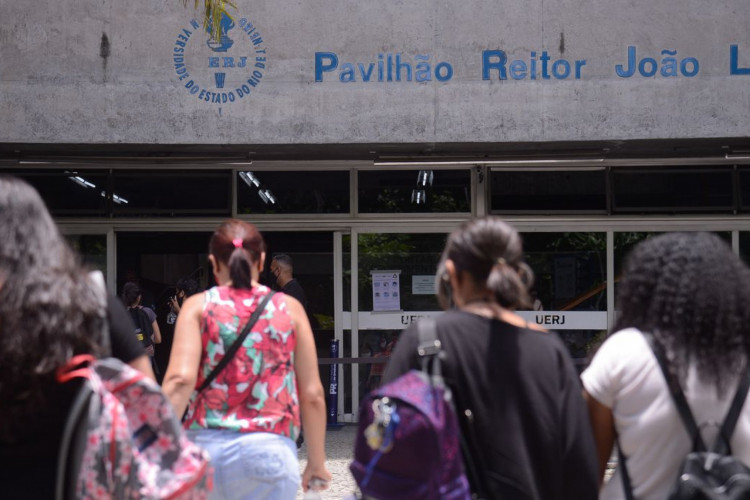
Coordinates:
339	452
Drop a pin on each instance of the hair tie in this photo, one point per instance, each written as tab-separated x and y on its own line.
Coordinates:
237	242
501	261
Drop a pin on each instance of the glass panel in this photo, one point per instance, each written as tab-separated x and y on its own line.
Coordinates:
157	261
626	241
679	190
92	248
414	191
293	192
312	261
570	288
744	189
171	193
745	247
414	257
548	191
67	192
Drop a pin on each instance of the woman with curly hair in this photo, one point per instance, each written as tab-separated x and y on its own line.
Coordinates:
50	310
690	293
248	416
516	391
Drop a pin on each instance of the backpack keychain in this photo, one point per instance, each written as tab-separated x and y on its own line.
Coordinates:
380	430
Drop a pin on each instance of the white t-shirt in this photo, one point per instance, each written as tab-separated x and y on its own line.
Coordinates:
625	377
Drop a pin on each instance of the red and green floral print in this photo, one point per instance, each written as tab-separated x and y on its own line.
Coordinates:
257	390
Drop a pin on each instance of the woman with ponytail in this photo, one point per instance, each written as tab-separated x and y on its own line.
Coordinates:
515	389
247	414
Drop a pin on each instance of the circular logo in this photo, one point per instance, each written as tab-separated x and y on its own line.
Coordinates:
223	69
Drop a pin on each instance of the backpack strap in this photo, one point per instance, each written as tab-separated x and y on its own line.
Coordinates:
237	343
721	446
430	348
73	442
677	395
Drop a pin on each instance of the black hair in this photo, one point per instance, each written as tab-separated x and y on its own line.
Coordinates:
490	251
691	292
130	293
238	245
284	261
188	285
50	309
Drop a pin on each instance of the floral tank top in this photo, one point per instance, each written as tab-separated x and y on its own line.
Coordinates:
257	390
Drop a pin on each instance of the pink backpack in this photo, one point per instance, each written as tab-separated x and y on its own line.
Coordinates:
122	439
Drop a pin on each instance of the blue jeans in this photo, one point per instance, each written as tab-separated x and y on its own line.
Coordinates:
255	465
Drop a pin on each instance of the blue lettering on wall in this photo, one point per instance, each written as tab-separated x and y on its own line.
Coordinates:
386	68
734	65
649	66
495	62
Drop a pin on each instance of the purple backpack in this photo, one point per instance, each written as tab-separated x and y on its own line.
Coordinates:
408	441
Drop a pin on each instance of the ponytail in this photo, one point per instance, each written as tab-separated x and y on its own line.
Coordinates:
240	245
510	285
240	267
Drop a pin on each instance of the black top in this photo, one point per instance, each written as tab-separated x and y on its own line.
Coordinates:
530	429
294	289
28	466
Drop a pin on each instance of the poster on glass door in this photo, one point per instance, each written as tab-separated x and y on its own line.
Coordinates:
386	294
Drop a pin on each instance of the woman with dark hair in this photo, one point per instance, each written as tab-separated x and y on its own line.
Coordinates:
249	415
690	293
515	388
146	327
50	310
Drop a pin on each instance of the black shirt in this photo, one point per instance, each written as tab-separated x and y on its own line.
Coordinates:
530	430
294	289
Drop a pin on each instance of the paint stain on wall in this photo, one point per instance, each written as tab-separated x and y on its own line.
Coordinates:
104	53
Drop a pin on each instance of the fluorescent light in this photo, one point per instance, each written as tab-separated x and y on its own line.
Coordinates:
249	179
425	177
270	196
79	180
263	196
117	199
418	196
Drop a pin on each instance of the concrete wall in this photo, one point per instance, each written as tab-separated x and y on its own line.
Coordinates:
107	72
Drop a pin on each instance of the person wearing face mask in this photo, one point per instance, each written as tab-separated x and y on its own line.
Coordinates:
283	269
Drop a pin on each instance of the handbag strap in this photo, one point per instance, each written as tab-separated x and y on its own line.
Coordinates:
430	348
237	343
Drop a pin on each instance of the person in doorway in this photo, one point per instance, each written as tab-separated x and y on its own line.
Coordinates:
51	308
146	327
516	391
689	293
248	416
184	288
283	269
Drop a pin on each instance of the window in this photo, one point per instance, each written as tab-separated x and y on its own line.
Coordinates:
414	191
293	192
185	193
69	192
673	190
548	191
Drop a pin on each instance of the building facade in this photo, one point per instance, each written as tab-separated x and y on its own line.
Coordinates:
356	136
